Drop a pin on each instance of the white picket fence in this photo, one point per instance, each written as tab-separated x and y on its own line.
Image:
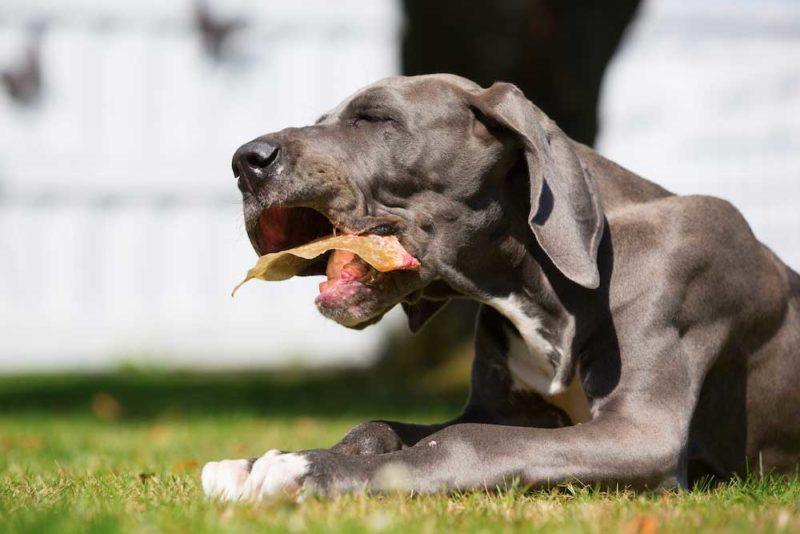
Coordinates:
705	98
120	222
120	226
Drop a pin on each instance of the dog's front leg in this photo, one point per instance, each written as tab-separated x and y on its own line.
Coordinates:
612	450
637	438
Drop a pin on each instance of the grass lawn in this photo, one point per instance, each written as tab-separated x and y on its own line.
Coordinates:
122	452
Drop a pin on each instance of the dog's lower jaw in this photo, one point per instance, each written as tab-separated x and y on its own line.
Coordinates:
350	305
359	303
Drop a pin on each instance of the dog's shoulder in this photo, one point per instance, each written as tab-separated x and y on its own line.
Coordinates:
704	248
700	248
688	230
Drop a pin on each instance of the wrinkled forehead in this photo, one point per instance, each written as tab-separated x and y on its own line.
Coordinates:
404	92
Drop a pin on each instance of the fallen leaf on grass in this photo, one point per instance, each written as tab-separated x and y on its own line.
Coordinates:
188	464
641	524
105	407
21	442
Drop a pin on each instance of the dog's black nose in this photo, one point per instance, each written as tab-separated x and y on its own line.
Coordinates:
252	161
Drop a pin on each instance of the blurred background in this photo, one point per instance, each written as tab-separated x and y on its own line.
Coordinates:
120	226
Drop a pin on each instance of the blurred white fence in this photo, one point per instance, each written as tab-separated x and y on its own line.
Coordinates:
705	98
120	230
120	223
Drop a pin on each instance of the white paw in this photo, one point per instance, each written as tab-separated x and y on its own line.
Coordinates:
273	474
225	479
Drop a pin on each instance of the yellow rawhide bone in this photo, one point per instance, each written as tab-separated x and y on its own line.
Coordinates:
383	253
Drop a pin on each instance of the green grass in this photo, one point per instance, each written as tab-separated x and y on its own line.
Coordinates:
122	452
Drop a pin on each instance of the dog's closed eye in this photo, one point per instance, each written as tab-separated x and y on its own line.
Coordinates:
369	117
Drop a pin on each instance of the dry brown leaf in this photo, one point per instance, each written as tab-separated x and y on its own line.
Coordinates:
383	253
21	442
641	524
188	464
105	406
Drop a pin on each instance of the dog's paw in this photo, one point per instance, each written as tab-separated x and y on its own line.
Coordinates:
272	475
277	474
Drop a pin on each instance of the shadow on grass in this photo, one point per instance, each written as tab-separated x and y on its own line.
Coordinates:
144	395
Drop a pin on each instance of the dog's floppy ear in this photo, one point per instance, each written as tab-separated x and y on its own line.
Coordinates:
421	312
566	216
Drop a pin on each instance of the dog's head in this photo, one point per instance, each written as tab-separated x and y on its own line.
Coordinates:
472	181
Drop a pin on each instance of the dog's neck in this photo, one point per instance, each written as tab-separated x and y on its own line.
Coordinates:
515	277
545	334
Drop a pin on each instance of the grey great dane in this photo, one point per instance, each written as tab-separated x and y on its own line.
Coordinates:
627	336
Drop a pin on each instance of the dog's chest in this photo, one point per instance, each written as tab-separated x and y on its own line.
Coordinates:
528	372
528	363
532	368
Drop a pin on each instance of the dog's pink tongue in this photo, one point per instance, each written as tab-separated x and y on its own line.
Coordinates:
343	266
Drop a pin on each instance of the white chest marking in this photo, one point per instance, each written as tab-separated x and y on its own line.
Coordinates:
530	367
527	355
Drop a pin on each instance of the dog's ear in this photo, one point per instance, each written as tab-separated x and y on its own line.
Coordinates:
566	216
421	312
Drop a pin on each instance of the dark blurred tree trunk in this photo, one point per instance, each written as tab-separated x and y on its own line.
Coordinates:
556	51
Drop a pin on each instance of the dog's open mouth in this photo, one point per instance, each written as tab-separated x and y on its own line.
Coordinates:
279	229
303	242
